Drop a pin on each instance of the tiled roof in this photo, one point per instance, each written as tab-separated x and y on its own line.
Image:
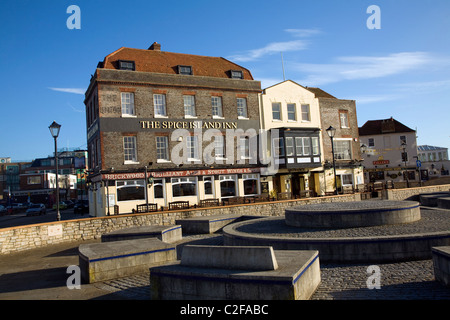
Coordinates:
154	60
391	125
319	93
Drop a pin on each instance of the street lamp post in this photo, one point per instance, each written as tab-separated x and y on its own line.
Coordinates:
404	156
331	132
54	130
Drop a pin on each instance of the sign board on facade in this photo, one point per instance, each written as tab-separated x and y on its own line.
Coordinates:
380	162
185	173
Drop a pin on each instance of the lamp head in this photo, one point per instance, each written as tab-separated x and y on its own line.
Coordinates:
54	129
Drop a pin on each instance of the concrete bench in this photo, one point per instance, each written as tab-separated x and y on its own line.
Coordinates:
207	224
284	275
111	260
168	234
443	203
229	257
441	264
431	199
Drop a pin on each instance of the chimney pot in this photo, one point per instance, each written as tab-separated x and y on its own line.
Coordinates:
155	46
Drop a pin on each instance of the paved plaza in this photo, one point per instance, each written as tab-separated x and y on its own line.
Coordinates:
40	274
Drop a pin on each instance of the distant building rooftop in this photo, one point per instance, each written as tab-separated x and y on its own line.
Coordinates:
430	148
384	126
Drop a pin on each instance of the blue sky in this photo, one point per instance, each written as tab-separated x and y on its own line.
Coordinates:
400	70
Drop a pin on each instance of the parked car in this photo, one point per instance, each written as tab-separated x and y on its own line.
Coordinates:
69	203
36	209
62	206
3	210
15	208
81	206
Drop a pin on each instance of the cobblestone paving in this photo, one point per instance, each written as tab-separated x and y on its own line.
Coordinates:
432	220
413	280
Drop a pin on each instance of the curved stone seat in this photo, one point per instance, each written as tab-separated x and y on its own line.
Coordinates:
443	203
164	233
353	214
431	199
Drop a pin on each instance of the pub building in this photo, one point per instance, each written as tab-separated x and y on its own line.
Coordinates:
165	127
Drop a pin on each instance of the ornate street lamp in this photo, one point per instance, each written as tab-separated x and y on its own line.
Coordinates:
331	132
54	130
404	156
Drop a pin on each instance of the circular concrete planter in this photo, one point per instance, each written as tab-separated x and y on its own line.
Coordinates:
353	214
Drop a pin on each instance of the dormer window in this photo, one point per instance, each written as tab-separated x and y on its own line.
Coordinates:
236	74
187	70
126	65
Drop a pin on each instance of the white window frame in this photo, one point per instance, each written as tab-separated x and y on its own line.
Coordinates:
159	104
216	107
278	105
156	182
219	147
130	149
315	147
242	108
301	147
208	179
343	119
192	148
337	149
162	149
306	113
129	184
291	113
277	148
244	147
246	177
229	177
185	180
127	104
189	106
289	143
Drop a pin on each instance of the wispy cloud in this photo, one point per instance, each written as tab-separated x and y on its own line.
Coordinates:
74	109
277	47
70	90
363	67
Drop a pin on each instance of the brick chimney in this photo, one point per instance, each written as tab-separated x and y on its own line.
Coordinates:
155	46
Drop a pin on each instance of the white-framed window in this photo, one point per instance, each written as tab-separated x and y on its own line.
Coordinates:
130	190
242	108
251	183
343	117
162	148
315	146
291	112
129	149
216	104
158	188
278	147
189	106
347	179
208	185
159	103
127	101
342	149
289	146
303	146
219	146
228	186
244	147
184	187
306	115
276	111
192	147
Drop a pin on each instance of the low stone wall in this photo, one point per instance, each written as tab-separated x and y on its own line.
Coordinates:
27	237
413	193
